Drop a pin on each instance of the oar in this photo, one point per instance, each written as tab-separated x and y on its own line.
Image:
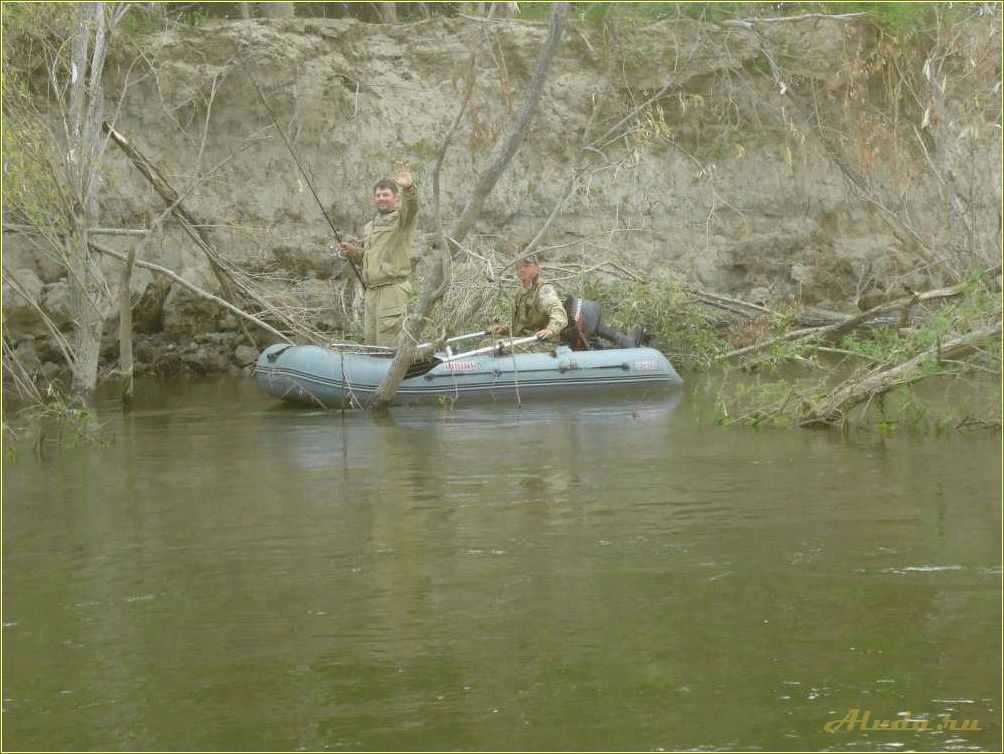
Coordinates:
418	368
424	348
469	336
459	338
500	347
421	348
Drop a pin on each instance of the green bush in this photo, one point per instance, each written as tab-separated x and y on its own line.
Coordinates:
680	328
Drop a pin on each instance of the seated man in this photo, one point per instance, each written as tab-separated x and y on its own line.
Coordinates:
536	310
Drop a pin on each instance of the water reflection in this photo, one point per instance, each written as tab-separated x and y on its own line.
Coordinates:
435	439
232	575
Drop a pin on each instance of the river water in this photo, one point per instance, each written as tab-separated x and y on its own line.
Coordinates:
228	573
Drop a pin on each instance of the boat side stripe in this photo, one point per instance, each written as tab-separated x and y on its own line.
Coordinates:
417	389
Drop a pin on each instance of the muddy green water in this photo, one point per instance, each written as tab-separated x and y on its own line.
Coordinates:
231	574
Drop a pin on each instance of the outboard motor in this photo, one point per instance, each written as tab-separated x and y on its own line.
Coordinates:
583	323
585	329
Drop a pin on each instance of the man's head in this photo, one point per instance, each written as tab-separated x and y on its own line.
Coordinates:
385	195
527	270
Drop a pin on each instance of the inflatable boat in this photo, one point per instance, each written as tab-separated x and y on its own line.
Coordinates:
345	374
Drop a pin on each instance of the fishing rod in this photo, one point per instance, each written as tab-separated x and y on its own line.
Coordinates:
275	122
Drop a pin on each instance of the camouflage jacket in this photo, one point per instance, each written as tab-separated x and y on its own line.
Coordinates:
537	307
387	242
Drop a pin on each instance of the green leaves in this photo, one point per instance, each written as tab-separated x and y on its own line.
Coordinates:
680	328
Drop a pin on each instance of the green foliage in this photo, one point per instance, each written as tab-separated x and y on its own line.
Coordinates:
640	12
422	153
10	438
889	345
717	11
679	328
36	40
896	19
755	404
378	155
137	24
778	394
33	35
531	11
52	420
194	16
592	13
946	404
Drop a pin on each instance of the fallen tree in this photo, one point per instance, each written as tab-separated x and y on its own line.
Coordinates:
829	333
833	409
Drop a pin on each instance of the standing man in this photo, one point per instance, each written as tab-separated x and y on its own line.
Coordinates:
385	256
536	310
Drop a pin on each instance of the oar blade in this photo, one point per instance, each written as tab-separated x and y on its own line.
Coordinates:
418	368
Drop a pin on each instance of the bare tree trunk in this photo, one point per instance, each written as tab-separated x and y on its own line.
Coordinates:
74	164
78	71
436	283
490	175
277	10
245	9
84	294
388	12
83	277
125	309
93	146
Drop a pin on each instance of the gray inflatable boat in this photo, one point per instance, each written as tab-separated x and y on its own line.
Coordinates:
345	374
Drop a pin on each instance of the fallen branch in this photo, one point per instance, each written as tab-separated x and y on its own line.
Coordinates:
756	347
100	248
833	331
750	23
734	305
196	231
843	352
832	409
20	228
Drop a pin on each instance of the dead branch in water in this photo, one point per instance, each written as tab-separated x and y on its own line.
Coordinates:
833	331
833	408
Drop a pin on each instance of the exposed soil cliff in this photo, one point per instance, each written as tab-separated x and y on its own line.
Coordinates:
807	158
